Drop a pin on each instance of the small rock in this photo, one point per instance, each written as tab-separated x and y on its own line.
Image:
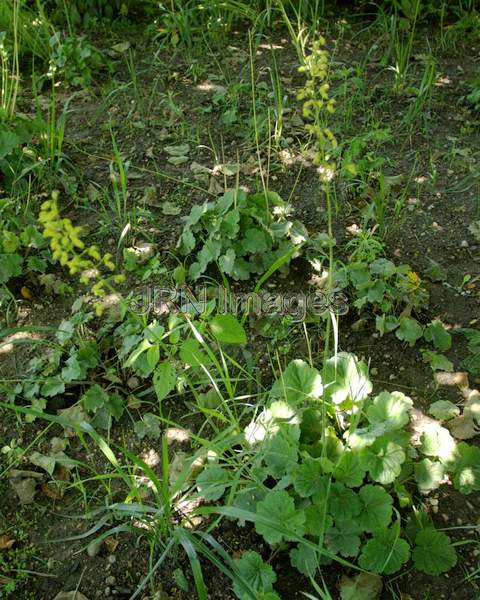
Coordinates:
112	559
374	371
110	580
392	377
74	595
94	547
464	244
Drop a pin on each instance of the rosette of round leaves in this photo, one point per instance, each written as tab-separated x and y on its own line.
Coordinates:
242	234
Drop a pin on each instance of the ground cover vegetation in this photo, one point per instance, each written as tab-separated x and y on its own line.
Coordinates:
157	157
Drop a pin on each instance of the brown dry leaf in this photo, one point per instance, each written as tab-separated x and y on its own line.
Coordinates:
6	542
52	490
111	543
365	586
61	473
74	415
459	378
74	595
215	187
250	166
463	427
25	489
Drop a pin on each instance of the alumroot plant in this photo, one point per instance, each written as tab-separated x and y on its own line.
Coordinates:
70	251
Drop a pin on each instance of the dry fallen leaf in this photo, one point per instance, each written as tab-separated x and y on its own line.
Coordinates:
215	187
111	543
6	542
463	427
24	488
52	490
365	586
74	595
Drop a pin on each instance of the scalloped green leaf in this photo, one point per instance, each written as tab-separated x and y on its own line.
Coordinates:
385	553
259	576
376	510
283	520
433	553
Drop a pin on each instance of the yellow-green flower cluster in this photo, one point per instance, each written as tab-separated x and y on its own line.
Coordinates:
316	106
70	251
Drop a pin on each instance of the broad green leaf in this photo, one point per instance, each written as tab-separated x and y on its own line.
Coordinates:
307	479
304	559
227	261
115	405
346	378
438	362
10	266
349	469
192	353
343	502
35	263
153	356
298	383
384	460
436	333
94	398
280	453
428	475
254	241
376	292
344	538
437	441
212	482
376	510
186	243
391	408
443	410
38	404
164	380
385	552
227	330
209	253
258	574
230	224
385	323
317	521
149	426
10	242
467	469
52	387
72	370
433	553
8	142
284	520
65	331
382	267
409	330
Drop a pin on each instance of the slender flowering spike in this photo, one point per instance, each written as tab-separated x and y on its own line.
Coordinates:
70	251
317	106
